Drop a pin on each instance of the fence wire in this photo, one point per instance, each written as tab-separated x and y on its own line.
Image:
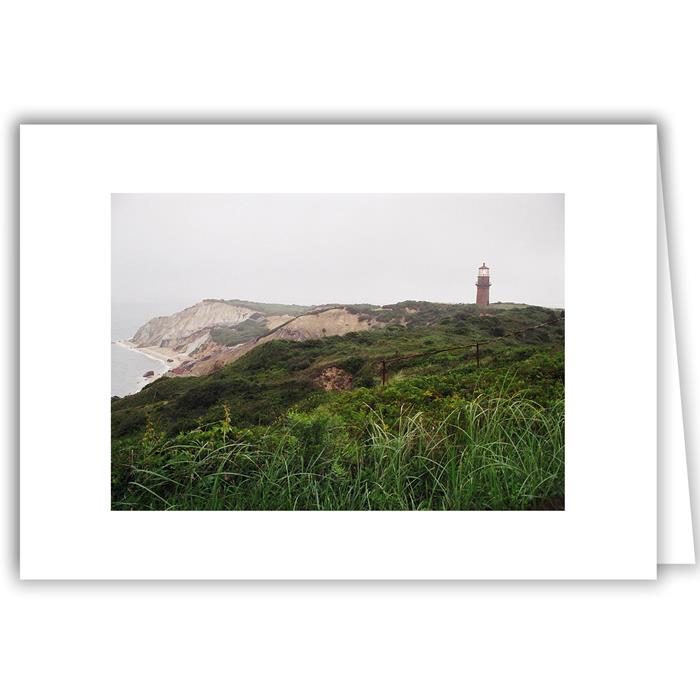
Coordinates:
385	362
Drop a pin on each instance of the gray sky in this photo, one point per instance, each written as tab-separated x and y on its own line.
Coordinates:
344	248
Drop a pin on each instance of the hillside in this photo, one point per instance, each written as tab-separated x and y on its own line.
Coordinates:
213	333
293	357
233	345
312	388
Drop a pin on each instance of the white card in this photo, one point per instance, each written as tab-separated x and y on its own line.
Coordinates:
607	175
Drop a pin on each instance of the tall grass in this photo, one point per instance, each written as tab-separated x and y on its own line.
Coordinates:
498	453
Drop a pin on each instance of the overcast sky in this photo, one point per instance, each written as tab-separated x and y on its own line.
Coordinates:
328	248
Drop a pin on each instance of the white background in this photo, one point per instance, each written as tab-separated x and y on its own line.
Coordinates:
497	61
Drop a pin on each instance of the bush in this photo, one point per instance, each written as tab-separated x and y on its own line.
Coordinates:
201	396
352	365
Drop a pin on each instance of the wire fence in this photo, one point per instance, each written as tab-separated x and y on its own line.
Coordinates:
385	362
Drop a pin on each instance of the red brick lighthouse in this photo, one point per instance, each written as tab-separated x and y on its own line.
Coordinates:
483	282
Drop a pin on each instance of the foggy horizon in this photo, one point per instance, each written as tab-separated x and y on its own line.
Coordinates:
174	250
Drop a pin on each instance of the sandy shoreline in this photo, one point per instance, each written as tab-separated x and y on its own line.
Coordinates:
169	358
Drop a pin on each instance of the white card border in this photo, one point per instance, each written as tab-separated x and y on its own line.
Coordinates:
608	175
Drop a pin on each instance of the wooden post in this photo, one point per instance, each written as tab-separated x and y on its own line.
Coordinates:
383	372
477	354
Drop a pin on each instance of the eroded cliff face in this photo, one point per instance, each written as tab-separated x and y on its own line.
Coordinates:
310	326
188	329
195	333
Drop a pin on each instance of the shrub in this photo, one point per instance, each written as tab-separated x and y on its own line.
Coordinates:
352	365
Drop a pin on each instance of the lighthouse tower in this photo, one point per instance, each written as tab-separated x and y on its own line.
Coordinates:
483	282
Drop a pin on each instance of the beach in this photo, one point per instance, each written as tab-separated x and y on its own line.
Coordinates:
168	357
165	358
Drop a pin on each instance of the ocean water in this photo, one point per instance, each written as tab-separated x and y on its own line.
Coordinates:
129	366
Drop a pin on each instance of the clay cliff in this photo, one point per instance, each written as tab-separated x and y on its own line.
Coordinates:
309	326
215	332
183	330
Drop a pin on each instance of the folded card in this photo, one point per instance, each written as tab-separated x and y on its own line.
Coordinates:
342	352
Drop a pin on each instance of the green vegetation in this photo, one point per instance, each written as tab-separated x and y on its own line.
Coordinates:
442	434
246	330
270	309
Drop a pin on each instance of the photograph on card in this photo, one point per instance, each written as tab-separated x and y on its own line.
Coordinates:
337	352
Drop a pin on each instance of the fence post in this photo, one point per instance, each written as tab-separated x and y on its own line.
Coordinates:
477	354
383	372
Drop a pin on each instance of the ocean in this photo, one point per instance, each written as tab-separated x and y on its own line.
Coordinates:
129	366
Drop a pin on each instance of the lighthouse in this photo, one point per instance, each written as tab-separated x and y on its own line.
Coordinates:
483	282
